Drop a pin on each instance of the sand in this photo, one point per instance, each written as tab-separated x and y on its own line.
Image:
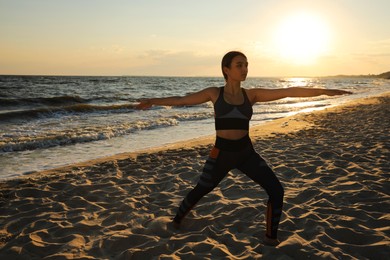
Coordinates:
333	164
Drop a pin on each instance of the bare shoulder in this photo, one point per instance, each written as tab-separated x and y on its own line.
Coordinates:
212	92
257	94
199	97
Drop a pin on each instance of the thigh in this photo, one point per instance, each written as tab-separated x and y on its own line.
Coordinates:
216	167
256	168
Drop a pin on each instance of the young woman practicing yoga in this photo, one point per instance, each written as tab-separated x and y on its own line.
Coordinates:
233	148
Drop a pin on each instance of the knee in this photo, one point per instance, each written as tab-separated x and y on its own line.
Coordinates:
276	193
201	189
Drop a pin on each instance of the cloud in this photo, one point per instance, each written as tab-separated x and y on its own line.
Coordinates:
374	53
111	49
179	63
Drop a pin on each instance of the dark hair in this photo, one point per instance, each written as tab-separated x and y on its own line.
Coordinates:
227	60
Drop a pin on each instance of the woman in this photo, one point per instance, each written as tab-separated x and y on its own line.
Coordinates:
233	147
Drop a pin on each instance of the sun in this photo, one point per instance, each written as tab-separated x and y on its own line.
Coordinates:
302	38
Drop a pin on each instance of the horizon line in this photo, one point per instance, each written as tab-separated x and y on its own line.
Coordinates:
189	76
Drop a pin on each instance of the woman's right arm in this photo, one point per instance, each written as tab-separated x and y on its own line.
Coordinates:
203	96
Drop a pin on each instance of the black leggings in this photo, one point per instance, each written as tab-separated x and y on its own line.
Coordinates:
237	154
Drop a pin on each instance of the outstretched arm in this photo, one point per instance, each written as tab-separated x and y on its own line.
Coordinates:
196	98
264	95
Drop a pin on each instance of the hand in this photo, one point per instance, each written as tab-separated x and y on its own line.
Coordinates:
144	104
336	92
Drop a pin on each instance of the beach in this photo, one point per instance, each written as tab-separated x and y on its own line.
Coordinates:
334	166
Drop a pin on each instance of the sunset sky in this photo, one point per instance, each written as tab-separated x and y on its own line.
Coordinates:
189	38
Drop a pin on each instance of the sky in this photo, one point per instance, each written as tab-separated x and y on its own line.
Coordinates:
189	38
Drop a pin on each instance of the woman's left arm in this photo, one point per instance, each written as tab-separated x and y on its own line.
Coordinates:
264	95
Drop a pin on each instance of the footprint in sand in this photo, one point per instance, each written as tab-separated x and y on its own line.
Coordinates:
161	226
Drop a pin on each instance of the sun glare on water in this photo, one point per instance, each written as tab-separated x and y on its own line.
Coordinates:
301	38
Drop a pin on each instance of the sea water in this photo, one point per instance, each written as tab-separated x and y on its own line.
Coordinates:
52	121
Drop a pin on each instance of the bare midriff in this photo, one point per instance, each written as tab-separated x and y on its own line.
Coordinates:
232	134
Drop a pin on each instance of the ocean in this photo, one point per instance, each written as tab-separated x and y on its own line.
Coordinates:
52	121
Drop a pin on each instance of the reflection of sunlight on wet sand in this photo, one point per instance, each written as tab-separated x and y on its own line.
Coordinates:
304	104
312	109
308	106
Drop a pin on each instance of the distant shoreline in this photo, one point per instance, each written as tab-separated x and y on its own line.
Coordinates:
385	75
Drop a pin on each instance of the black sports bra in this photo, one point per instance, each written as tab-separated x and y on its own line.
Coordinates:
228	116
